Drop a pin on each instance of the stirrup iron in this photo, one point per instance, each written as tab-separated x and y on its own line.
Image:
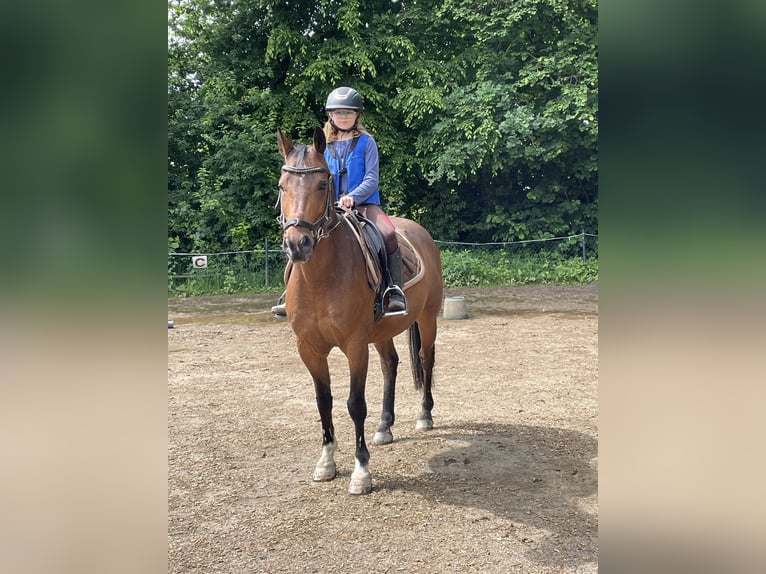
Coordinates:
279	309
396	289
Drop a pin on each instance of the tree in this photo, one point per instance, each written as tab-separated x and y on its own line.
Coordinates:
518	137
485	113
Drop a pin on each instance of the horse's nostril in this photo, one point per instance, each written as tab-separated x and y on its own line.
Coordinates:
298	248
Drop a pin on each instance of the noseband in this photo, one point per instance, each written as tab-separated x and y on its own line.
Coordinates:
317	228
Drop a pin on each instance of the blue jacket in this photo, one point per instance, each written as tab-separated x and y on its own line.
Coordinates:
361	179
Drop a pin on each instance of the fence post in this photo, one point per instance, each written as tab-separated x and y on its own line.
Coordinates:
266	248
583	245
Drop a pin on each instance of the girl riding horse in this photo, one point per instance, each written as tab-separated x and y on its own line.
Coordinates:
352	156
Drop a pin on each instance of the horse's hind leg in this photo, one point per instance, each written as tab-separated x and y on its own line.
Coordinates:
317	366
389	361
427	356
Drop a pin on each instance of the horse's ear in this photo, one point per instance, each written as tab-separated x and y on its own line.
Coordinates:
319	140
285	146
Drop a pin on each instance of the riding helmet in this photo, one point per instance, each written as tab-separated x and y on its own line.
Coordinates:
344	98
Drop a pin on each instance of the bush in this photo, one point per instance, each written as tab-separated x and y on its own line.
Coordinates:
484	268
243	273
226	274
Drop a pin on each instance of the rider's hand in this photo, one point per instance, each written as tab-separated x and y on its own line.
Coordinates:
347	201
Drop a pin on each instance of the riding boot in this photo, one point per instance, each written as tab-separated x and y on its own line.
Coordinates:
279	309
395	301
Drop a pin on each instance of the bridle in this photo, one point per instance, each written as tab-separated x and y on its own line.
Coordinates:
317	229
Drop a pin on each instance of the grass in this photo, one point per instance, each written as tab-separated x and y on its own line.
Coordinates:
485	268
461	268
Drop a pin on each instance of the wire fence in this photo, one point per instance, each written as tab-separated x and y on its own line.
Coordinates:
582	237
262	269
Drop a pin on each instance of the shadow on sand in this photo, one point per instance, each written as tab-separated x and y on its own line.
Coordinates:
537	476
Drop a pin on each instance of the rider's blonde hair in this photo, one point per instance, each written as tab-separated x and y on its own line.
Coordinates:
331	133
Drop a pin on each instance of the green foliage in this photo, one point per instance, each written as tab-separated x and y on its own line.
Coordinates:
488	268
476	267
485	114
237	273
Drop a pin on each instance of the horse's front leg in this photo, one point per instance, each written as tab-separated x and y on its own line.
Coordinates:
320	372
325	468
389	362
358	359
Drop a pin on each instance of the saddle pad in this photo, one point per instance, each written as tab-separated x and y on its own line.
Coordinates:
412	264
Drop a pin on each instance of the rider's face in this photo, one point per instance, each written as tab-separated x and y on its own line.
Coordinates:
344	119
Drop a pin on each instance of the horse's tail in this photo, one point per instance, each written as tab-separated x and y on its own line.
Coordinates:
415	362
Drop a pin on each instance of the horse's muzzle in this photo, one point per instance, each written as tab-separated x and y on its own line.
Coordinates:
298	246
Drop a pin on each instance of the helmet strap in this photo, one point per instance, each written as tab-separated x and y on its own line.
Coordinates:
351	129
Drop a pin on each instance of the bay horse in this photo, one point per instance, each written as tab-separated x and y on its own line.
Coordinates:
329	304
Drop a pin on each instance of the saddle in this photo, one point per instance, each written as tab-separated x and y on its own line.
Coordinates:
370	241
373	248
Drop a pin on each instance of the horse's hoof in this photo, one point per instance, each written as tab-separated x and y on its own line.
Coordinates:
383	438
424	425
324	473
361	484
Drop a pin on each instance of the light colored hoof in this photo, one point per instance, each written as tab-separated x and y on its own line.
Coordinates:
361	481
325	468
361	484
383	438
424	425
324	473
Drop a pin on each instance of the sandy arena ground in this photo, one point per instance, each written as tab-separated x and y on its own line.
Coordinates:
505	482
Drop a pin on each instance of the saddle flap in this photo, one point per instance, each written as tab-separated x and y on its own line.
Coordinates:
371	243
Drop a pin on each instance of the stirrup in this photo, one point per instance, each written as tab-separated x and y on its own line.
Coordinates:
402	312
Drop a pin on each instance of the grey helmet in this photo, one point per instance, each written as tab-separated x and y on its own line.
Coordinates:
344	99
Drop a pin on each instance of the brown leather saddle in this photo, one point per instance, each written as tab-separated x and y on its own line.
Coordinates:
373	248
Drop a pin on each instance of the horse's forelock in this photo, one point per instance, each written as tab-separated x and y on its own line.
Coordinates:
300	152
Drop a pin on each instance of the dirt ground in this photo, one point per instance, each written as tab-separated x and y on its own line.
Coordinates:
505	482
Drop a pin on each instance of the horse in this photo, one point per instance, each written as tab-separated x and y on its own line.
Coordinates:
329	303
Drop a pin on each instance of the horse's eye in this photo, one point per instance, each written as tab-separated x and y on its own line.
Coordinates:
323	184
